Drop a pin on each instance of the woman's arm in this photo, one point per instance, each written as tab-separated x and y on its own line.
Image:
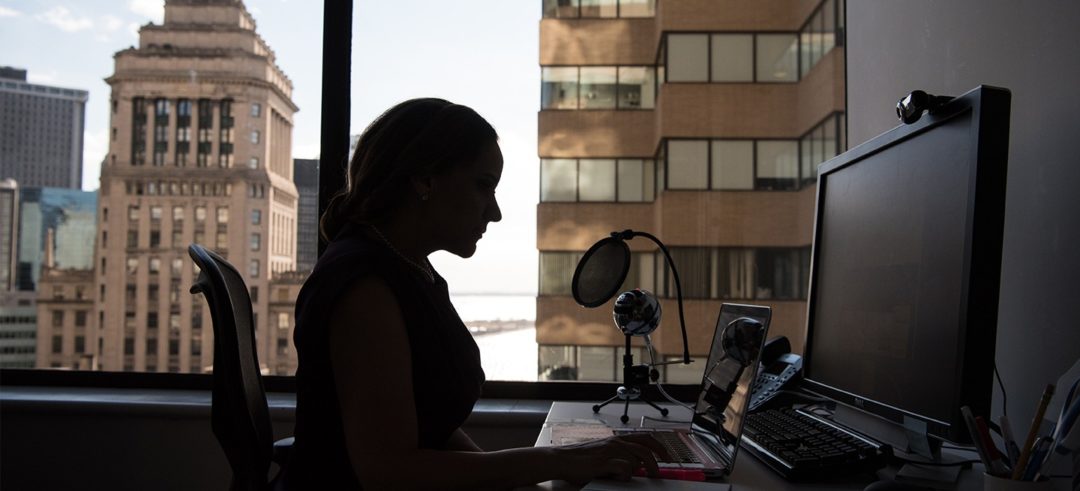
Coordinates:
372	366
459	440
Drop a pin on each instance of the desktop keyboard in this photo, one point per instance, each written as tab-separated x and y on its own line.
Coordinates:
802	447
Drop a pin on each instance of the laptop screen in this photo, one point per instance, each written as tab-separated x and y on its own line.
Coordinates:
729	375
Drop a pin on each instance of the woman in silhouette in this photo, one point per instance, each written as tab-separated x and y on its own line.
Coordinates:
387	371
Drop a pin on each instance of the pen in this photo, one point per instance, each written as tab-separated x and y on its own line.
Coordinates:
1011	449
1042	446
1026	450
976	439
997	468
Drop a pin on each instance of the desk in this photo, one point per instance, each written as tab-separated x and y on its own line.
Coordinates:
750	474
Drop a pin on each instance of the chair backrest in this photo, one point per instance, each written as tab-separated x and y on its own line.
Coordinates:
240	417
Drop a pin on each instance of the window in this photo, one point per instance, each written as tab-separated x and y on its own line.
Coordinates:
778	164
254	136
253	163
686	57
776	60
558	180
255	241
596	180
256	217
256	109
223	214
597	87
253	268
637	87
732	164
732	58
559	88
688	164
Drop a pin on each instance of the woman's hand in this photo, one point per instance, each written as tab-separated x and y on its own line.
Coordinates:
614	458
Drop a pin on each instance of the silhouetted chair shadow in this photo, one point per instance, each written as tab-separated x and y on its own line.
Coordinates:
240	417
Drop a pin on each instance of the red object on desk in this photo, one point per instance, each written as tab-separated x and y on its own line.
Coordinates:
676	474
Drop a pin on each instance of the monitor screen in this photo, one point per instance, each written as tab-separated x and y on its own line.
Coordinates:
906	260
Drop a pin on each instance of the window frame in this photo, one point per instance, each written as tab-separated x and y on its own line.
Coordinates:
334	138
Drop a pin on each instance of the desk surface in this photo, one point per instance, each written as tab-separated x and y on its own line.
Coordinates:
750	474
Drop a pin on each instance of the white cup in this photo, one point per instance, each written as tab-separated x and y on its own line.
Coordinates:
995	483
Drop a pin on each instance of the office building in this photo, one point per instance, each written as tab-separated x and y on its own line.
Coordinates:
9	232
701	123
41	132
200	151
70	215
306	178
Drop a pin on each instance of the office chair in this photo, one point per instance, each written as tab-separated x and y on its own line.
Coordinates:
240	417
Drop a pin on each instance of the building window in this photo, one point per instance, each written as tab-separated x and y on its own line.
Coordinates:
733	164
569	9
637	87
223	214
687	164
254	136
256	109
596	180
58	318
255	241
253	268
57	344
687	58
200	213
253	163
598	87
132	265
256	217
155	265
776	58
558	180
623	180
80	318
732	58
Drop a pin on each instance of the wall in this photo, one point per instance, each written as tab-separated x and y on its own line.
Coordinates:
136	439
1032	49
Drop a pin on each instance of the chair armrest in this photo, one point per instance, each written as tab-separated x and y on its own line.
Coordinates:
282	448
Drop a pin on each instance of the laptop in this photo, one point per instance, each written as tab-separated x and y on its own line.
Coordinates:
711	442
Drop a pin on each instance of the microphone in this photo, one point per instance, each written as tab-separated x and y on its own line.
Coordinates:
602	271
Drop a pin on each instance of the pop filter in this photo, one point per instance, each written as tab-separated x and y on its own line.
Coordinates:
601	272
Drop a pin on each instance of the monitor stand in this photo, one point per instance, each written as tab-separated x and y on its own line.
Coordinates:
910	442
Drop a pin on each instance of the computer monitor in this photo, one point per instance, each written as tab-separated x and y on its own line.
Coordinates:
903	298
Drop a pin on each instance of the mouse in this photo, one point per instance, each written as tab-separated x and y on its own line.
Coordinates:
890	486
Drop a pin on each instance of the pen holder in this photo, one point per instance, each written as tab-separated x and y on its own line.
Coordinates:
995	483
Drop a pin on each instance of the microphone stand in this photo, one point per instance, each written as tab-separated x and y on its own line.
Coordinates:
635	378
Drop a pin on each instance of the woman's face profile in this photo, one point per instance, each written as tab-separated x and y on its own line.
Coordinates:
462	202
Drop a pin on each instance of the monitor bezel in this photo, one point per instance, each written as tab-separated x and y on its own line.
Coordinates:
989	124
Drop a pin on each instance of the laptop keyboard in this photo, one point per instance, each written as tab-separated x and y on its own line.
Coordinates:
676	447
801	447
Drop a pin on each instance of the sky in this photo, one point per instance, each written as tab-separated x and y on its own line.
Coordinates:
481	53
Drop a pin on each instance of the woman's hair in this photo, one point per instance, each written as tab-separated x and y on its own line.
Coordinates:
414	138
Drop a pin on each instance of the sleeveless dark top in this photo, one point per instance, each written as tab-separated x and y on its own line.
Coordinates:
446	372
